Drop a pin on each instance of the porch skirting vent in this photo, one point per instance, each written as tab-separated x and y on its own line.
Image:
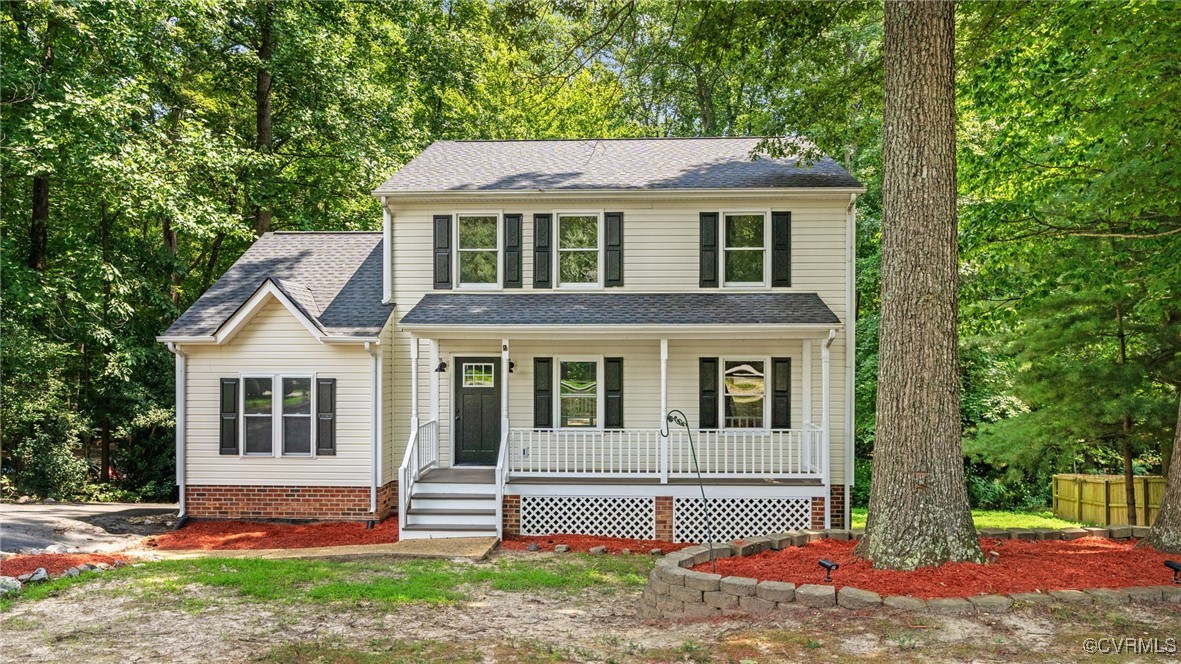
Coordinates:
739	518
605	516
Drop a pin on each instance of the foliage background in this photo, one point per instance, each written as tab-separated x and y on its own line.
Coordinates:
140	121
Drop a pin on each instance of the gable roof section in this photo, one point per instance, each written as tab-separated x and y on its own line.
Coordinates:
635	164
332	280
597	309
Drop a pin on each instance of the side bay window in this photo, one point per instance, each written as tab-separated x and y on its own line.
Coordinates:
278	415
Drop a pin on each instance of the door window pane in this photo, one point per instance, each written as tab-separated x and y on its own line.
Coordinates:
257	406
479	375
297	416
745	393
578	394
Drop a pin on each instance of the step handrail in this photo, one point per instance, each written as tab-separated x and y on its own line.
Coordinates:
406	478
502	473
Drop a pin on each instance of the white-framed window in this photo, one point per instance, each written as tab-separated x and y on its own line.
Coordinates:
580	392
296	409
478	249
579	254
258	419
277	415
745	237
744	393
479	374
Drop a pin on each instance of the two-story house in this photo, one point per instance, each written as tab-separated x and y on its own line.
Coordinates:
546	337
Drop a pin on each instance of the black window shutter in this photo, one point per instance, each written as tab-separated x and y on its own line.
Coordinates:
542	248
781	393
325	416
512	251
543	392
614	257
442	251
709	249
613	367
707	417
228	436
780	248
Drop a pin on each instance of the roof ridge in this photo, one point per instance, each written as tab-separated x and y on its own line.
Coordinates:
323	232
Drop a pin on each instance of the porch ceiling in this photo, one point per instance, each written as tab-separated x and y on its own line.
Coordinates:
654	314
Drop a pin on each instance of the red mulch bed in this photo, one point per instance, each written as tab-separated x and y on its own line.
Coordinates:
222	535
55	563
1023	566
584	543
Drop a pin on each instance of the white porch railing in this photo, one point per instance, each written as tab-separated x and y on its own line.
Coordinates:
502	473
422	454
780	453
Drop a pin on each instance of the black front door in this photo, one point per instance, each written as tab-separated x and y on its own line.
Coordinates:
477	410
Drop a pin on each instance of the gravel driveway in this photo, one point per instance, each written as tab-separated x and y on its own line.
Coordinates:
91	527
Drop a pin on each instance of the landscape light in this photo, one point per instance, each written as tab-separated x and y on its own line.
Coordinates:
1176	567
828	566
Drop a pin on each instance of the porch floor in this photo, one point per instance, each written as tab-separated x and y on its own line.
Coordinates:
460	475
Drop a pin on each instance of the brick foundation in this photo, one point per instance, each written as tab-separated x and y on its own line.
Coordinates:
664	518
818	506
312	503
837	491
512	515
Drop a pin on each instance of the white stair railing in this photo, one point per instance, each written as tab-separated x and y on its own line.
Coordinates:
422	454
502	474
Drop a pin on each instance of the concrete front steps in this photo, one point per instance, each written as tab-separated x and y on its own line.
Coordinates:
452	502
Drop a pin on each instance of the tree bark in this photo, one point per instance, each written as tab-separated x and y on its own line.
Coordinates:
1126	422
1166	531
918	510
39	225
104	473
263	140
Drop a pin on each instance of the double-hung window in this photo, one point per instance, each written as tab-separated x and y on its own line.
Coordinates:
478	249
579	394
579	250
744	394
277	415
744	255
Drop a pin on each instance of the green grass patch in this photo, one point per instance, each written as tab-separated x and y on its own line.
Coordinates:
373	580
995	519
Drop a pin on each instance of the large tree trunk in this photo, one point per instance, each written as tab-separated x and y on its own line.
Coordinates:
263	140
918	507
1166	531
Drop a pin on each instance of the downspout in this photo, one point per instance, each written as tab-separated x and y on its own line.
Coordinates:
375	419
181	370
826	420
850	353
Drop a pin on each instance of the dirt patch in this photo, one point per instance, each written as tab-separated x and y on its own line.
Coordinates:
231	535
585	543
55	563
1021	566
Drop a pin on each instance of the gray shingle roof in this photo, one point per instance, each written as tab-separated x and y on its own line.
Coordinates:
334	278
592	164
620	309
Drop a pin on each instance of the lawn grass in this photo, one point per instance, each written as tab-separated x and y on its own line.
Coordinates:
996	519
373	580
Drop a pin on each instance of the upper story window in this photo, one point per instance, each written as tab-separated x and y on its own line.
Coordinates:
579	250
744	394
478	249
744	256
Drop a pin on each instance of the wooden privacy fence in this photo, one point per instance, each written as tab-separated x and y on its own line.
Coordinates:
1103	499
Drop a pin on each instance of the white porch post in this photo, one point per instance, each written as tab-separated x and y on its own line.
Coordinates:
504	361
826	419
664	410
413	383
807	381
434	364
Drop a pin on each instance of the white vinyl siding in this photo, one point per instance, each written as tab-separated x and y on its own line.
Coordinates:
275	343
661	254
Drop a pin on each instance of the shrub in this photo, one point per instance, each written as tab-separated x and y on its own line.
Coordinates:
46	464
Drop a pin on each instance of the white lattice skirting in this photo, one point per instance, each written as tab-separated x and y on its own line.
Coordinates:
586	515
739	518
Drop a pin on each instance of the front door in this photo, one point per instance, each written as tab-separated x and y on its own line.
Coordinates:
477	410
